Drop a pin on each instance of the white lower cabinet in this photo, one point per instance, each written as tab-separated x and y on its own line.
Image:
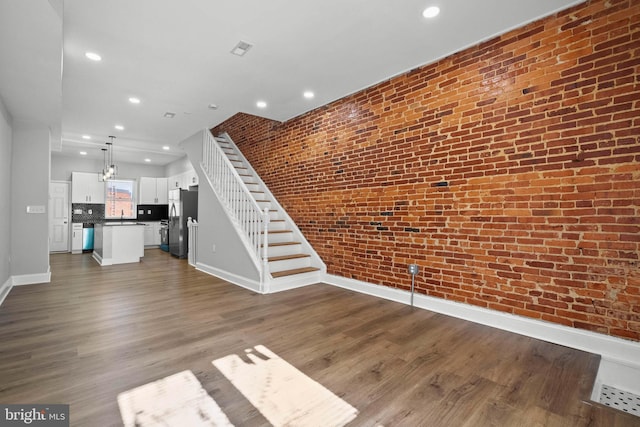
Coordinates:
152	233
76	238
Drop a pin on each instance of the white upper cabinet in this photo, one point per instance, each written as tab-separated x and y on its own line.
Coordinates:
153	191
183	180
87	188
191	178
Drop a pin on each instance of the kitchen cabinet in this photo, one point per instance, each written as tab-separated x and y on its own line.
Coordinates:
152	233
76	238
176	181
153	191
87	188
191	178
183	180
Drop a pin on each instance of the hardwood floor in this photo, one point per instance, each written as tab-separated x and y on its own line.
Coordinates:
94	332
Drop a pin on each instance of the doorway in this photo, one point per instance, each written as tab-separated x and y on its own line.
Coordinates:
59	217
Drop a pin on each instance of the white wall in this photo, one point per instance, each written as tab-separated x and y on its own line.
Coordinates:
62	166
178	166
5	195
30	173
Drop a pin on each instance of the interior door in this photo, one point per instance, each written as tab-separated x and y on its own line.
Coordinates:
59	217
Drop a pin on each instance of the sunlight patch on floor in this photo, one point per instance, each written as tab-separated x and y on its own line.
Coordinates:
176	400
283	395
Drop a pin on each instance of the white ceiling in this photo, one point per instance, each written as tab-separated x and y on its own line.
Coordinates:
175	56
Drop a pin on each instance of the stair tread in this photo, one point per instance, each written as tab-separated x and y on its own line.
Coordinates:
294	271
279	231
287	257
282	244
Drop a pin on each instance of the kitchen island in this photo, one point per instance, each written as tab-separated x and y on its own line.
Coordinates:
118	242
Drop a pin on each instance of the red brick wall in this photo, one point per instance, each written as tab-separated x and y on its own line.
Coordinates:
509	172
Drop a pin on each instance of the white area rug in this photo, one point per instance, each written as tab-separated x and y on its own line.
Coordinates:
284	395
177	400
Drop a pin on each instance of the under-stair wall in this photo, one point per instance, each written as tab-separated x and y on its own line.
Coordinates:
220	250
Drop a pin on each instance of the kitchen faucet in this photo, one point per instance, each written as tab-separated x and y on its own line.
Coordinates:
121	215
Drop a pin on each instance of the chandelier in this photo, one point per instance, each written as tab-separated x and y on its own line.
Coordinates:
109	170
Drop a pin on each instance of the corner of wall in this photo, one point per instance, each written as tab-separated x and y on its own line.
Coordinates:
5	288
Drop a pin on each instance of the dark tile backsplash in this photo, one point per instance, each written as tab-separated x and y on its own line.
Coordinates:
152	212
96	216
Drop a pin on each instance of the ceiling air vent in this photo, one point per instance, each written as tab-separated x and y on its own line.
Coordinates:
169	115
241	48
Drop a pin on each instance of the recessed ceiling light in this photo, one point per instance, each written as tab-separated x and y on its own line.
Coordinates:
431	12
166	147
86	137
169	115
134	100
83	153
93	56
119	127
261	104
241	48
308	94
147	160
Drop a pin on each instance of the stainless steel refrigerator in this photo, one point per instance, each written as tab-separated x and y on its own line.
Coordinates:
182	205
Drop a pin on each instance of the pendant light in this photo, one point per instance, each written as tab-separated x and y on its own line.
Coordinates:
105	166
110	169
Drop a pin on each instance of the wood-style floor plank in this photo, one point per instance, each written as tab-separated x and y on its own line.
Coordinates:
95	332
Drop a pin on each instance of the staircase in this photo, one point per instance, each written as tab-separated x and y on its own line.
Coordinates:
288	260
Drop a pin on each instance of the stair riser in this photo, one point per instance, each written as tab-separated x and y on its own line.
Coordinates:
274	215
264	205
275	251
253	186
289	264
280	237
277	225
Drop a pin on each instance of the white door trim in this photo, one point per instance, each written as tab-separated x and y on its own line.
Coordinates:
67	232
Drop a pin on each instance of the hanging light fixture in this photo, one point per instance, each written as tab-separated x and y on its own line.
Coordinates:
105	167
110	169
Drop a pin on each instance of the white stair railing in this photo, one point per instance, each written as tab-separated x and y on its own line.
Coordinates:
232	190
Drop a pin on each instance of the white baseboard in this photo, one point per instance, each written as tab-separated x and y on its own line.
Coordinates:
249	284
5	288
31	279
103	262
620	363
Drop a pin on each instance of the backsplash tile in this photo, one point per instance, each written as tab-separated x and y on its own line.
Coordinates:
96	216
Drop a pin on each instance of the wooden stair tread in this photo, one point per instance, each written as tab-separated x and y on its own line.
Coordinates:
294	271
282	244
287	257
278	231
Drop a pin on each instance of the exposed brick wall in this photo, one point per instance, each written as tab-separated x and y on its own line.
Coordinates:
510	172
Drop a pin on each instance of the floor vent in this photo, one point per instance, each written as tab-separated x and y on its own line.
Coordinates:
621	400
